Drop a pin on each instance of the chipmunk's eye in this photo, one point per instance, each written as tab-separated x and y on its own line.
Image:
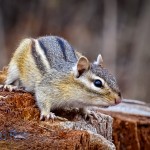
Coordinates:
98	83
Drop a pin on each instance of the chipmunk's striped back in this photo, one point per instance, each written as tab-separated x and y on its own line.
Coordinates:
58	52
36	57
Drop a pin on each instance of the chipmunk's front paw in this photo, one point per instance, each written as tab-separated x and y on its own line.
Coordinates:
9	88
89	114
51	116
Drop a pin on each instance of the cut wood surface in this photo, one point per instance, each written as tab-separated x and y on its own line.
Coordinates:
131	127
21	129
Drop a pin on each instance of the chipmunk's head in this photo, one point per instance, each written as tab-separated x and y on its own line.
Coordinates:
99	87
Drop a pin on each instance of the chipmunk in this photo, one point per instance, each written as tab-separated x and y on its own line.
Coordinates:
60	76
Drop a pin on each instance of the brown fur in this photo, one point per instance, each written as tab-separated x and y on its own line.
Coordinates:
3	75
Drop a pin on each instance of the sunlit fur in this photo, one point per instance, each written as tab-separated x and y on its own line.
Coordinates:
60	82
77	92
22	66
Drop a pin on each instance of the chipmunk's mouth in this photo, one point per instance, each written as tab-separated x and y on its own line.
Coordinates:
116	101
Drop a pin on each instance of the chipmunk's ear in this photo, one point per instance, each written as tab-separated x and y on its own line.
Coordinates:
99	60
81	66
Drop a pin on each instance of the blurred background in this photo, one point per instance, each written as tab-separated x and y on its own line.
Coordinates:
118	29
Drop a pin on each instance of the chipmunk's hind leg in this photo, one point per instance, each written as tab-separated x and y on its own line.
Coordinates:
13	74
12	82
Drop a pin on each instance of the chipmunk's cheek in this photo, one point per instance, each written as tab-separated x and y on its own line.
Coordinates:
116	99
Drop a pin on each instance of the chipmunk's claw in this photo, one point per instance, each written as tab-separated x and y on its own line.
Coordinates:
3	97
89	114
10	88
52	116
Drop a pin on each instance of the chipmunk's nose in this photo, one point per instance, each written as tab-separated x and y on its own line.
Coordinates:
118	100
